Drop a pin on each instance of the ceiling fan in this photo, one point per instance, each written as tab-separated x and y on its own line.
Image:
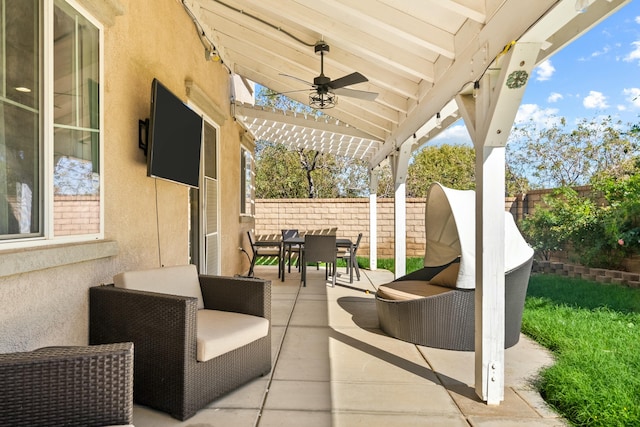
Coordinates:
325	90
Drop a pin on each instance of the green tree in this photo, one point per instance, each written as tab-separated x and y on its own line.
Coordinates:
301	173
285	173
564	155
385	182
451	165
278	173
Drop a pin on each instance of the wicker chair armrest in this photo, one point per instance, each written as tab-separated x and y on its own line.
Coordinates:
237	294
123	350
74	386
157	323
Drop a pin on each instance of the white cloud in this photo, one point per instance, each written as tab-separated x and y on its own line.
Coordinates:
455	134
533	113
637	19
544	71
554	97
633	96
634	55
604	51
595	100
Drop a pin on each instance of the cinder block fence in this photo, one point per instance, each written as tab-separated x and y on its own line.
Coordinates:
350	216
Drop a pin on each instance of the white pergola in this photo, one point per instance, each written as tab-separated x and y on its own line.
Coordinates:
431	62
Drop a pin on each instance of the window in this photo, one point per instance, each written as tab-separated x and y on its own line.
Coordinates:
50	122
204	238
246	183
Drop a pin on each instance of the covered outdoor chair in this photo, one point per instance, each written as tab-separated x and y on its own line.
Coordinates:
435	306
319	248
196	337
83	386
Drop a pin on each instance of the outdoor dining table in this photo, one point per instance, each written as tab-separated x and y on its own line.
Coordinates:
299	241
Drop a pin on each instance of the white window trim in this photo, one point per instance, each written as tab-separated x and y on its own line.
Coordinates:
46	178
193	104
251	209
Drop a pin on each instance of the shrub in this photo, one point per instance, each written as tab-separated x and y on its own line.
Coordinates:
622	222
602	229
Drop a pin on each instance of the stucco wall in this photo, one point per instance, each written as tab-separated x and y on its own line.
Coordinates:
45	301
158	39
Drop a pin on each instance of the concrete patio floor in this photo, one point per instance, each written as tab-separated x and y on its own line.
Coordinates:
332	366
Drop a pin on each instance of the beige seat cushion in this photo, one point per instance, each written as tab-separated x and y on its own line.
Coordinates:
447	277
219	332
176	280
410	289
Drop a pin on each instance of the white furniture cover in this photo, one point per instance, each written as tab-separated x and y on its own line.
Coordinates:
451	234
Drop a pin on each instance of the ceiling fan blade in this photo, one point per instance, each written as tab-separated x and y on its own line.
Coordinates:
349	79
298	79
295	91
360	94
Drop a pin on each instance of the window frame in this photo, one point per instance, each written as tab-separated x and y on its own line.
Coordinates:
247	211
47	148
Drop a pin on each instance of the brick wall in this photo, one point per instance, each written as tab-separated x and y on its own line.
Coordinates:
76	215
351	216
524	204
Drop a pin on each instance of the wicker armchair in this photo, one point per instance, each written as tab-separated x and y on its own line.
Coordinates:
168	375
67	386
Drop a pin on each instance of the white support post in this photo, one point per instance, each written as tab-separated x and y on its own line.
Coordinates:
373	219
489	297
400	230
400	168
489	119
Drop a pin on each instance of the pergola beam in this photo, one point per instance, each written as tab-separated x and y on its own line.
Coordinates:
509	23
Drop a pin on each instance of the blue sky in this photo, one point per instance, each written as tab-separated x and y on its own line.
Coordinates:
598	74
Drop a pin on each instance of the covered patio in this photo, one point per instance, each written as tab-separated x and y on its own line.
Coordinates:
425	66
430	63
333	366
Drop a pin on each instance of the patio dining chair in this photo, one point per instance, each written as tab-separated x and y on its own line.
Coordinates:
264	249
349	255
290	250
319	248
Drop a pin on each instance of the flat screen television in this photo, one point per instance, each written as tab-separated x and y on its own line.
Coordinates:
175	138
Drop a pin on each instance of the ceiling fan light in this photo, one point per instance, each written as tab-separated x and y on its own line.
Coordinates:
322	101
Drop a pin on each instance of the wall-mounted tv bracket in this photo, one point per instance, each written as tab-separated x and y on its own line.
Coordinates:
143	129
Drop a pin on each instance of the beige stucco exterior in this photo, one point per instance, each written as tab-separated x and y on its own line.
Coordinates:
44	290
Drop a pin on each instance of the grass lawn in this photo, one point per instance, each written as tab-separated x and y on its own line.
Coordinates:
594	332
